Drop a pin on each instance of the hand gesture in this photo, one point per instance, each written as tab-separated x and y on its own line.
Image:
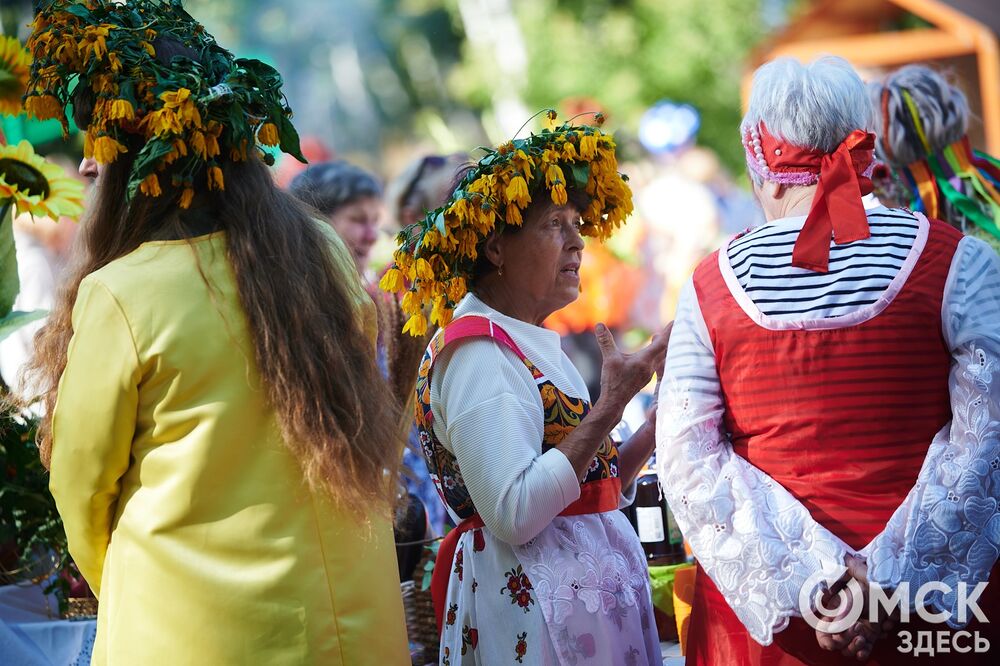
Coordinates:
623	375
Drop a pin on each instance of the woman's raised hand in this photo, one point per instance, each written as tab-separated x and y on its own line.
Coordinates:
623	375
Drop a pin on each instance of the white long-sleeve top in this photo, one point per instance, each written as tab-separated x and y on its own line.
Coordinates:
768	544
482	392
587	572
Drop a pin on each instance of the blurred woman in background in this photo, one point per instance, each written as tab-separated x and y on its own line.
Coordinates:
922	122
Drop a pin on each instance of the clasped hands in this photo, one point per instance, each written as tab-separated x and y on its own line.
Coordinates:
858	640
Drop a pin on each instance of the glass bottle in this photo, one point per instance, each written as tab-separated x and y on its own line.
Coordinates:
658	531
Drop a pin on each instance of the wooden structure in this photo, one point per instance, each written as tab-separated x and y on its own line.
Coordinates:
881	35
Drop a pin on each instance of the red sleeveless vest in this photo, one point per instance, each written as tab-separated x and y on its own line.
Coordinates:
843	417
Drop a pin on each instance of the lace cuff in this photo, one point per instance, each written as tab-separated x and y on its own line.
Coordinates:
948	527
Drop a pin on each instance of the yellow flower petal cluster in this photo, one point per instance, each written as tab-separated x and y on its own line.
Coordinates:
36	186
268	134
437	256
15	63
183	119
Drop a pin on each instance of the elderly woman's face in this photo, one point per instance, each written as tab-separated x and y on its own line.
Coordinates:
541	262
357	224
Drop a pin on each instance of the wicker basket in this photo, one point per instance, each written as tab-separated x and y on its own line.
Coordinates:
83	608
418	607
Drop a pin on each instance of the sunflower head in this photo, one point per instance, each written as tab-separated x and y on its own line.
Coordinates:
15	64
38	187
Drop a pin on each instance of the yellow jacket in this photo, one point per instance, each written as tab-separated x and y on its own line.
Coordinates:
183	507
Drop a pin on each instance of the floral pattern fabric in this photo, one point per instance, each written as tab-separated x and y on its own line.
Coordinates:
576	594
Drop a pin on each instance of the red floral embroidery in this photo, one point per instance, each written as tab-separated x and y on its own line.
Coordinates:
586	645
470	638
518	588
446	657
521	648
459	557
478	541
452	612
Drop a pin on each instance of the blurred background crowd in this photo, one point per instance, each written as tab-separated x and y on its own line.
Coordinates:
391	97
403	89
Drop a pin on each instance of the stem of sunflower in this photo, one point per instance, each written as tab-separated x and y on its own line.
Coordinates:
9	284
528	121
585	113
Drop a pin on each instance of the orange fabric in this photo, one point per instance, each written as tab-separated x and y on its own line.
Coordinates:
684	580
926	187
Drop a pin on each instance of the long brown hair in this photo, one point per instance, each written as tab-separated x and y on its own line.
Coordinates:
319	373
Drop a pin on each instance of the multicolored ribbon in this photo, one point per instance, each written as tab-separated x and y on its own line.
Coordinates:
969	181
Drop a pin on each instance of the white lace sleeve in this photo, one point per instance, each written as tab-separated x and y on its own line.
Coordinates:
948	527
756	541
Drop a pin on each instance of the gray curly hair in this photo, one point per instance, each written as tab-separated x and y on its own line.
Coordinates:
942	111
813	105
329	185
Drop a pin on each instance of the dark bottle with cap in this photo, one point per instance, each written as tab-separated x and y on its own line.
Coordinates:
661	538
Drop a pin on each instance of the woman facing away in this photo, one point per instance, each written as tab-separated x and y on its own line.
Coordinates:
216	424
922	121
542	568
831	402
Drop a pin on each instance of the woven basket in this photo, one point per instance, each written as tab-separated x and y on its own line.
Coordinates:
418	607
83	608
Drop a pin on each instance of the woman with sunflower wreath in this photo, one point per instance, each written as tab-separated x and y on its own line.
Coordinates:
542	568
216	423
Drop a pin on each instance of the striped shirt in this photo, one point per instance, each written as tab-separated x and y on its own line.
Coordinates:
859	272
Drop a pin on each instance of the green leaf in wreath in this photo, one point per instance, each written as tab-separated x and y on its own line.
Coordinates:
581	173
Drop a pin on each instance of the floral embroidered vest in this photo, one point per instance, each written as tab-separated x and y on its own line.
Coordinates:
561	412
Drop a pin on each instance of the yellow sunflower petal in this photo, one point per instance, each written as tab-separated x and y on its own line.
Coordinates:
38	187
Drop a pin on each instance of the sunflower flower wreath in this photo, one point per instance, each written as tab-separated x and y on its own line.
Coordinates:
192	114
437	255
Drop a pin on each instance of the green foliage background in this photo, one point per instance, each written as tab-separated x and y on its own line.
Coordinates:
419	68
628	54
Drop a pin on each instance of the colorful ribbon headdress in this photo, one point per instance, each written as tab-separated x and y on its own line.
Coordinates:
967	180
191	113
842	178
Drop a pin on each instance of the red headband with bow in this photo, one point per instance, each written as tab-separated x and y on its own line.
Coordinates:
842	178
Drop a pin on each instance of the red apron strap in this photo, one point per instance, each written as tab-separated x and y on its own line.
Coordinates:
471	326
442	565
474	326
595	497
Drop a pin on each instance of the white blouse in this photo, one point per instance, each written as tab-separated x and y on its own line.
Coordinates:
769	545
490	396
588	600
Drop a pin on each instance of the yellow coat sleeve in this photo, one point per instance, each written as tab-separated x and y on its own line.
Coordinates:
93	424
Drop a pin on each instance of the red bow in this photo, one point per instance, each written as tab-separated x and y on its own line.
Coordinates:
836	209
